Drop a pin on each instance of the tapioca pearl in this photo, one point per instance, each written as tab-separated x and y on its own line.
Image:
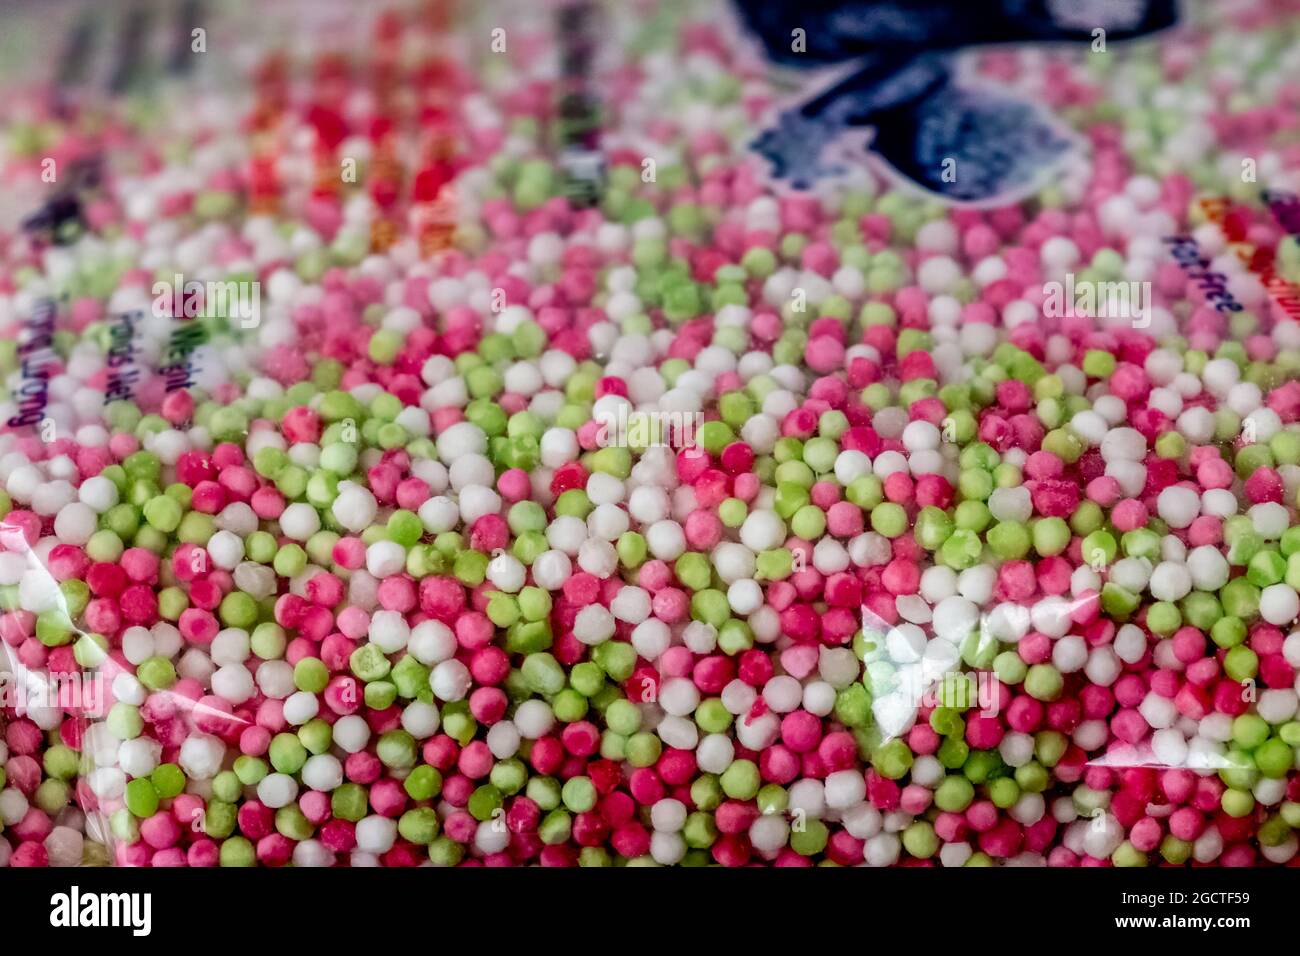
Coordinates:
818	698
76	523
1279	604
1178	506
1269	791
783	694
830	557
351	733
98	493
567	534
1019	312
322	772
890	423
1029	809
1216	727
1132	574
450	681
275	679
978	339
1159	712
905	643
761	433
1170	581
139	757
1277	706
106	783
385	558
759	733
921	436
301	707
1070	654
608	522
1123	444
651	638
1205	754
912	608
779	402
678	696
977	583
678	732
201	756
1083	579
598	558
100	745
375	834
1090	426
838	666
955	618
1259	425
1008	622
754	364
1051	616
1016	749
1219	503
850	465
1011	504
420	719
882	849
53	496
715	753
1208	567
1166	400
1219	376
809	796
138	644
469	472
1269	519
1130	644
1114	410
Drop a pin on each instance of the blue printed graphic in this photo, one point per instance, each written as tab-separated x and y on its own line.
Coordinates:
967	145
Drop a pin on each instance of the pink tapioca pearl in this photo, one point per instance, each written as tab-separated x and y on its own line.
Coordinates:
915	799
1206	529
1129	515
670	605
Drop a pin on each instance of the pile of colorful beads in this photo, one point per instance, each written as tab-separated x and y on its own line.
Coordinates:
712	523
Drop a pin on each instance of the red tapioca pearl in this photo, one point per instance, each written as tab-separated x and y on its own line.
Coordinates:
239	482
843	589
801	623
16	626
139	604
1165	683
106	580
256	820
1208	794
1233	829
1039	835
1264	485
513	485
951	827
1064	715
1275	671
442	598
1229	698
1142	782
981	816
440	752
382	721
